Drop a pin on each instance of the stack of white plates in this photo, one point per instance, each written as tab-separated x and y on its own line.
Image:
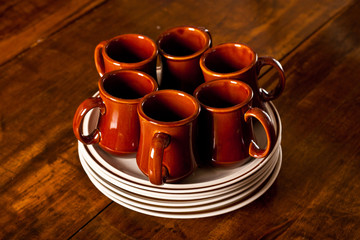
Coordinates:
209	191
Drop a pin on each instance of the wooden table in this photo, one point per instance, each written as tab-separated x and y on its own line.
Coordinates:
47	70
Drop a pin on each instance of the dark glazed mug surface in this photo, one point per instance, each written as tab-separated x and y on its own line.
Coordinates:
180	49
239	61
118	127
127	51
168	121
225	131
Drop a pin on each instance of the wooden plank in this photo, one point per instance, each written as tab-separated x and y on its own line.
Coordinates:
323	162
304	202
50	199
25	24
333	211
45	192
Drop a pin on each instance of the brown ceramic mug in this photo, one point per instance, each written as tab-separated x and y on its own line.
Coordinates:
127	51
168	124
118	127
180	49
239	61
225	130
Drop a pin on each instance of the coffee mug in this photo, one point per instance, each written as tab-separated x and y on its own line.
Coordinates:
225	131
127	51
180	49
239	61
118	127
168	124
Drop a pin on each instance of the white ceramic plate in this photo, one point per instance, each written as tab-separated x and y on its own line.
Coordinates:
124	168
152	207
179	199
236	204
177	194
173	195
181	196
202	205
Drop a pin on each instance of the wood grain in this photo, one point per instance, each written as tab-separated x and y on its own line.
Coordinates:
24	24
47	195
321	128
309	177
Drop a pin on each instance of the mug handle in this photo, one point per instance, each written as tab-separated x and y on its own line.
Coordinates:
99	59
157	172
273	94
264	119
208	33
82	110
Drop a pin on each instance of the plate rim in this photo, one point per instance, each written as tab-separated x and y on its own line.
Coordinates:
168	200
210	213
164	192
124	177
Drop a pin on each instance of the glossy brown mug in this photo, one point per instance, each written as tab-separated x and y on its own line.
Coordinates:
239	61
168	124
118	127
180	49
225	130
127	51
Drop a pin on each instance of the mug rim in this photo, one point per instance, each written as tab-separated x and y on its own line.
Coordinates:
229	74
181	122
126	64
186	57
225	109
107	95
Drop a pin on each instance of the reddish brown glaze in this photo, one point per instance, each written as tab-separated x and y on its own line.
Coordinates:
118	128
127	51
168	121
239	61
225	132
180	50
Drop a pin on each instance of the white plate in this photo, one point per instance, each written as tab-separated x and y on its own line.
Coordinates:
196	214
124	168
226	199
182	200
152	207
177	194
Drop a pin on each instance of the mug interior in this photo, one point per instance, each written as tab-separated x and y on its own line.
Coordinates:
130	48
223	94
183	41
169	106
126	84
229	58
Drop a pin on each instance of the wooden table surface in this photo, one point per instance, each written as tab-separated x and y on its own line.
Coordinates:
47	70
